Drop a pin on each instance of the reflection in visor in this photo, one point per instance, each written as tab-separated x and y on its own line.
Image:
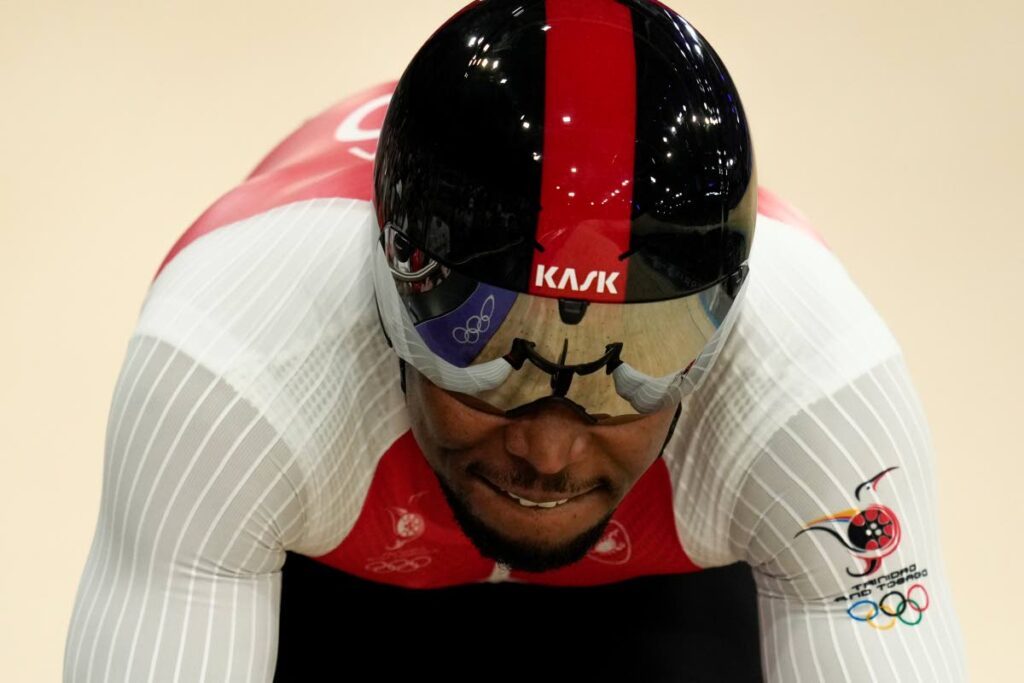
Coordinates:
561	374
510	349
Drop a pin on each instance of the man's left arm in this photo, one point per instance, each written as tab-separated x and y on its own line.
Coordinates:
837	517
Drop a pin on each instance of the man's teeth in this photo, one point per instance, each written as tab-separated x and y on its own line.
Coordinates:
530	504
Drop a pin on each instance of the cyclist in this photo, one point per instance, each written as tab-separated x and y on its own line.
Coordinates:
618	358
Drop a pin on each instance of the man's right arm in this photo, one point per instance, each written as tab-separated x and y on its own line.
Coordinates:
838	518
183	578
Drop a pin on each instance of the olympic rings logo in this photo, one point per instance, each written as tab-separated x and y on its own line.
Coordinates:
398	566
470	334
868	610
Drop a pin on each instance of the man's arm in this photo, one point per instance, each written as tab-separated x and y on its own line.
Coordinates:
838	518
182	581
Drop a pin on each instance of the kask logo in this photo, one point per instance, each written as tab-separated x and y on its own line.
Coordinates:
605	281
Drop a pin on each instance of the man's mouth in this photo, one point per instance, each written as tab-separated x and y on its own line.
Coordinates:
534	499
526	502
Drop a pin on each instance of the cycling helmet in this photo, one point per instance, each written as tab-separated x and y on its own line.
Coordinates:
565	198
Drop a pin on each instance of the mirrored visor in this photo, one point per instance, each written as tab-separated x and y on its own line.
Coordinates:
510	349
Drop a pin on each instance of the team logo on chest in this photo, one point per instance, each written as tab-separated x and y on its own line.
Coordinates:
614	546
407	526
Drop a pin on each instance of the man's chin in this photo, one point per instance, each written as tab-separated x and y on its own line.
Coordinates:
520	555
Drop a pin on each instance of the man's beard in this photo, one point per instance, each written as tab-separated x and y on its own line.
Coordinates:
520	555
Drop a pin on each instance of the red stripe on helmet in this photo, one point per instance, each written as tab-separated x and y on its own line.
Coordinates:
589	131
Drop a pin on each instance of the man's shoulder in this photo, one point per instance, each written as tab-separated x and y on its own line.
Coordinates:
806	321
267	284
280	305
271	289
283	252
805	330
330	155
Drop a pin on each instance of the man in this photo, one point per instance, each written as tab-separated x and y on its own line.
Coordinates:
619	361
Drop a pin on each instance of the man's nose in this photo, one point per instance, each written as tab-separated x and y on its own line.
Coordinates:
550	438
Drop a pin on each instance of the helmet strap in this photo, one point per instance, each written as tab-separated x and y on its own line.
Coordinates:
671	429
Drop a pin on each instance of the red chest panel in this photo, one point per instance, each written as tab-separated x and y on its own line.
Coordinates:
406	534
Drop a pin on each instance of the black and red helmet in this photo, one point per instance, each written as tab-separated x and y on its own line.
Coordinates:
565	194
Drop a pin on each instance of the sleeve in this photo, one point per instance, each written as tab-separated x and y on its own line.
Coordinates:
838	518
182	581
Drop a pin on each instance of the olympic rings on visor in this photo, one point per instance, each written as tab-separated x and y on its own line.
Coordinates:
510	349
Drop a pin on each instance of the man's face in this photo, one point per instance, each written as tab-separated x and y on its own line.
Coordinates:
549	454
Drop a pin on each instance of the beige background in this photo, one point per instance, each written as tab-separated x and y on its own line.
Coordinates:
894	126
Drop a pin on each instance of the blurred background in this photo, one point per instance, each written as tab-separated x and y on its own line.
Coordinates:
894	127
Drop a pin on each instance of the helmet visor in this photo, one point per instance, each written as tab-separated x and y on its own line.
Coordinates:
509	349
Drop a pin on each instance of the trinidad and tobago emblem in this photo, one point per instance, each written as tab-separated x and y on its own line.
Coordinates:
871	533
406	524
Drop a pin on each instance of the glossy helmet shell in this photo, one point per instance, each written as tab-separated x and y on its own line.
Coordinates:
602	137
